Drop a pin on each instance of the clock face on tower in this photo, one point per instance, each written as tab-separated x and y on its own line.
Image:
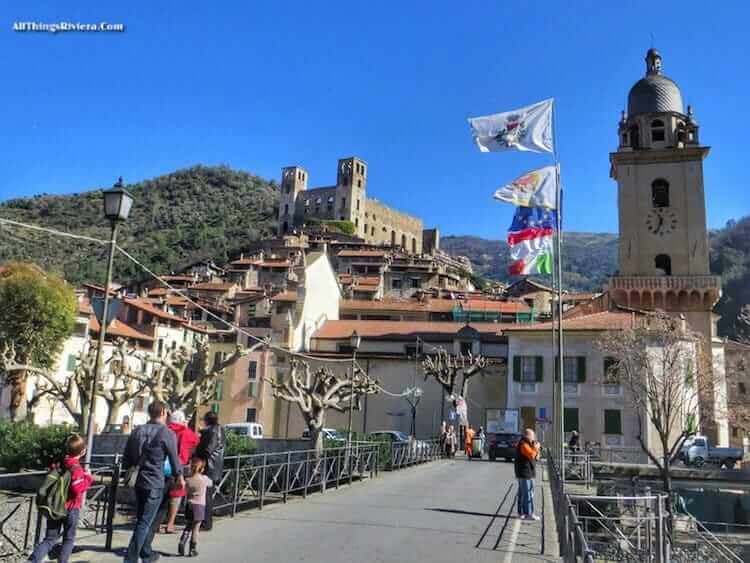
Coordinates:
661	221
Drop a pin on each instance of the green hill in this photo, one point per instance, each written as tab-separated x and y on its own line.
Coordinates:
178	218
588	258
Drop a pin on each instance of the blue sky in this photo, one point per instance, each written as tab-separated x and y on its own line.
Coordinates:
261	85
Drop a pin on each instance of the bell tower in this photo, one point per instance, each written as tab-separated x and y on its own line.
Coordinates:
658	167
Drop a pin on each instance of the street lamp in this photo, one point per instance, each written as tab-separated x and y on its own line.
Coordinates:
117	204
354	342
413	396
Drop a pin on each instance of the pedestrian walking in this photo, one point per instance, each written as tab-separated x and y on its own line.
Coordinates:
211	448
573	442
527	453
450	442
144	461
469	441
195	509
63	520
187	440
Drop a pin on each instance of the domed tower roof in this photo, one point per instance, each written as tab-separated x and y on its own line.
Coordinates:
655	93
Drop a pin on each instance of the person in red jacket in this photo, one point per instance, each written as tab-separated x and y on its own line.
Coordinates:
187	440
80	481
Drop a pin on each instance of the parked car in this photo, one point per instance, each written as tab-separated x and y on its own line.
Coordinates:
250	429
502	445
328	434
390	435
698	451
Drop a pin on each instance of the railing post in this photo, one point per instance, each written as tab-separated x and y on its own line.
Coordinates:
659	530
263	480
236	492
288	469
351	465
307	468
112	505
324	475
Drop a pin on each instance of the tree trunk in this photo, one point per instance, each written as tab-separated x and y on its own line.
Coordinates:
316	438
113	410
18	396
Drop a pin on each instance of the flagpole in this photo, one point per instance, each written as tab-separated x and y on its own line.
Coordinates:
558	265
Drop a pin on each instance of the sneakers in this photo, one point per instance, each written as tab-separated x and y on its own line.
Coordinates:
193	550
533	517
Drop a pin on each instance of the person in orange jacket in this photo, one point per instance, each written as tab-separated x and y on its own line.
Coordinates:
469	441
527	453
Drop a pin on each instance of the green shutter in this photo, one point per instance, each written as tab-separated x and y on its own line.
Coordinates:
581	369
516	368
570	419
252	389
539	368
71	362
215	408
612	422
219	391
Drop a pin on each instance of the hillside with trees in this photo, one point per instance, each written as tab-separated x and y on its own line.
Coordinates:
178	218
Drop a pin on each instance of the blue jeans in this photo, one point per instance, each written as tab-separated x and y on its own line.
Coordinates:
525	497
147	504
66	527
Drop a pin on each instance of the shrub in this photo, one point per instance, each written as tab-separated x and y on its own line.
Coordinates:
28	446
239	445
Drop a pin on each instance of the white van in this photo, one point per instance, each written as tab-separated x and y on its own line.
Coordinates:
249	429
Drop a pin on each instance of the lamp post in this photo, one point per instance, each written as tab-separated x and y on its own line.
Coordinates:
354	342
413	396
117	204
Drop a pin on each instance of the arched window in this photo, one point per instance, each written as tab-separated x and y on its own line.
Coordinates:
635	141
663	265
657	130
413	246
286	227
660	193
286	209
403	242
393	238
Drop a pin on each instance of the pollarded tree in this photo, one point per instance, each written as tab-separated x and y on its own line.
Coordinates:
185	378
664	373
316	391
38	314
446	369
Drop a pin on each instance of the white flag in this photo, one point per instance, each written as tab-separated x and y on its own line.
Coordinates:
524	129
533	189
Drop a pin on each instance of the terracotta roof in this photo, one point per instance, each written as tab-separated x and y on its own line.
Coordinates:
155	311
433	305
213	286
158	292
606	320
177	278
244	262
362	254
275	264
335	330
119	328
367	280
365	289
288	296
580	296
176	301
84	306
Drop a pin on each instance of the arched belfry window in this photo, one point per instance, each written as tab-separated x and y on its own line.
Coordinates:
660	193
663	265
657	130
635	140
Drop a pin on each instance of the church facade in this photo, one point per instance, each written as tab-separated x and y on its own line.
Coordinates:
373	221
664	252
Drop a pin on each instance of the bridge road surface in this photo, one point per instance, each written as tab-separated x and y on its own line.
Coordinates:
450	511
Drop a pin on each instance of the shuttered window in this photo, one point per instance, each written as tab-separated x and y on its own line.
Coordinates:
570	421
219	391
612	421
71	362
528	369
574	369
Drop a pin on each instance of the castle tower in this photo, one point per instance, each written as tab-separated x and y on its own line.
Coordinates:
293	181
351	186
658	167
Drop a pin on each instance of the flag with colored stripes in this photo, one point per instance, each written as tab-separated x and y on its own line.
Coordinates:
530	241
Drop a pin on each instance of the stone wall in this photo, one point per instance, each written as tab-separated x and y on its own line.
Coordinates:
388	226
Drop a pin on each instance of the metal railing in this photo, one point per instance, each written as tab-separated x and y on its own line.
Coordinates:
578	467
405	454
573	544
618	455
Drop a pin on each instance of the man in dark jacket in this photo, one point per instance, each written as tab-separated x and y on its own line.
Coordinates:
147	448
211	448
527	452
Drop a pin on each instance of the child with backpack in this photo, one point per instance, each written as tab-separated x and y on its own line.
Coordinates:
60	499
195	511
